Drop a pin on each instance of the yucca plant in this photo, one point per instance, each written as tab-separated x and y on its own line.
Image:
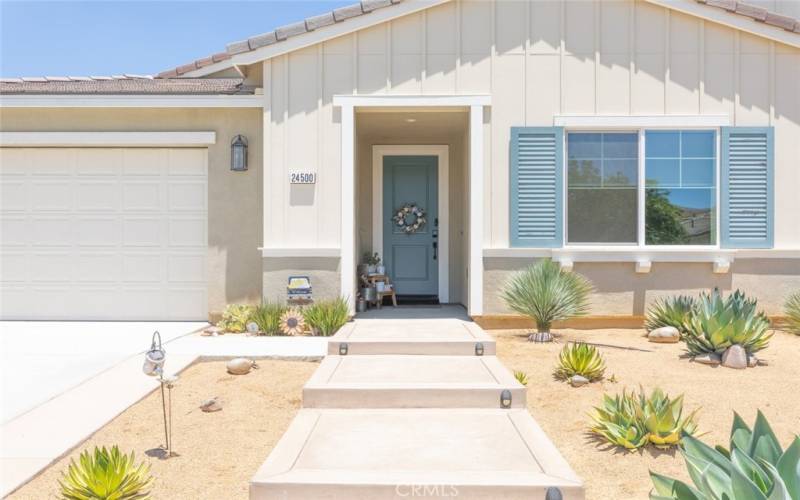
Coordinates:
521	377
235	318
106	475
580	359
755	467
669	311
268	317
632	420
717	323
326	316
793	312
546	293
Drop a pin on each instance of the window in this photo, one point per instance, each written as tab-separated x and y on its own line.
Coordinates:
673	203
602	180
680	192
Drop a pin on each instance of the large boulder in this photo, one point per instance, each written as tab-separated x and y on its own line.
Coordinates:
665	335
735	357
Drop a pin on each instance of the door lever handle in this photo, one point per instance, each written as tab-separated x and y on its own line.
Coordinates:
435	250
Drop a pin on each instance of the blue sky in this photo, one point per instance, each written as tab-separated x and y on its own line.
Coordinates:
61	38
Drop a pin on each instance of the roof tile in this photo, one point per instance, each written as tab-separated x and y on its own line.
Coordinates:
780	21
320	21
370	5
347	12
729	5
220	56
237	47
284	32
127	86
757	13
262	40
186	68
202	63
168	74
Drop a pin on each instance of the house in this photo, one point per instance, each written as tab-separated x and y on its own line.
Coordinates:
652	145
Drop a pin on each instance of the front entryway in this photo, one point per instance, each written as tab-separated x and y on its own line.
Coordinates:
410	226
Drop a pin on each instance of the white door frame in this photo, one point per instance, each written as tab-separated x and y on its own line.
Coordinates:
476	105
443	175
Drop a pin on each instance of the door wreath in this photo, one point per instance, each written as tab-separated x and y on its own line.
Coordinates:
410	218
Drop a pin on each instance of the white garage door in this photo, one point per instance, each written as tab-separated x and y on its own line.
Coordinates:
103	233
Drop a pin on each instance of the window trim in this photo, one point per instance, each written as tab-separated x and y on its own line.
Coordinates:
640	187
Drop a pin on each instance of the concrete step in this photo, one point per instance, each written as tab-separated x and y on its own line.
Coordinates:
392	453
424	337
397	381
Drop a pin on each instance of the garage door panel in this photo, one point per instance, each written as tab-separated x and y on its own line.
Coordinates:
103	233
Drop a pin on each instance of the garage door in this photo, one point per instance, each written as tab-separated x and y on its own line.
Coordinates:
103	233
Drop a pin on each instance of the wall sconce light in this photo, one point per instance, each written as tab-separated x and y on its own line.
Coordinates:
505	398
239	154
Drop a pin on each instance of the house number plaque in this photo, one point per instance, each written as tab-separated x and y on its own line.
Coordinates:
302	178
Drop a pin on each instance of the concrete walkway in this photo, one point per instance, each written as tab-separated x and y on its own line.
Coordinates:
410	402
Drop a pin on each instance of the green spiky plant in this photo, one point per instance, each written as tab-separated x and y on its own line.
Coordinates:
235	318
718	323
792	308
580	359
521	377
326	316
632	420
268	317
669	311
106	475
754	467
546	293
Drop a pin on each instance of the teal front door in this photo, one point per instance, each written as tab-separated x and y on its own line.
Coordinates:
410	253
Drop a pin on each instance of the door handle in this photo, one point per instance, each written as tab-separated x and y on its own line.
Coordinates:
435	250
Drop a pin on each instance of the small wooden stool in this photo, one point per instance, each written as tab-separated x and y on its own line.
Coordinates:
388	288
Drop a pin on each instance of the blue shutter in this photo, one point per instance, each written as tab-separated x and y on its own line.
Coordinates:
747	187
536	186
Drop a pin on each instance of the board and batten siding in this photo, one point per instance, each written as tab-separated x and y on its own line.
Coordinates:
537	59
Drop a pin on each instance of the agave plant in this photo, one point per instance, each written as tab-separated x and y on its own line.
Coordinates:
580	359
717	323
106	475
669	311
793	312
546	293
631	420
327	316
268	317
521	377
235	318
755	467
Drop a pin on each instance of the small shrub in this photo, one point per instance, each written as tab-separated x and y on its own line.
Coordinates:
521	377
327	316
753	468
669	311
717	323
268	317
235	318
546	294
632	420
106	475
793	312
580	359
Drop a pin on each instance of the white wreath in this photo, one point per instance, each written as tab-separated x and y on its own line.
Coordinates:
400	218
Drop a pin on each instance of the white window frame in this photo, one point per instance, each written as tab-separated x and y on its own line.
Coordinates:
640	128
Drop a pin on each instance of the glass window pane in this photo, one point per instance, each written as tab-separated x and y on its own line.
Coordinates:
601	216
680	216
584	145
697	173
620	172
662	144
697	144
663	173
620	145
584	173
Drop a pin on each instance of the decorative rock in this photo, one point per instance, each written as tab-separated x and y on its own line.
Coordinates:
239	366
578	381
711	358
211	405
540	337
735	357
752	361
665	335
212	331
252	327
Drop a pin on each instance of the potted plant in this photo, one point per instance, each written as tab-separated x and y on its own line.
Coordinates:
372	261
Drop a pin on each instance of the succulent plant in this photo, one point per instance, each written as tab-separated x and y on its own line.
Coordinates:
632	420
106	475
326	316
268	317
580	359
669	311
793	312
717	323
521	377
235	318
753	468
546	294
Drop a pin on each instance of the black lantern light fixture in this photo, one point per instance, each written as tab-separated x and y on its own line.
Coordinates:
239	153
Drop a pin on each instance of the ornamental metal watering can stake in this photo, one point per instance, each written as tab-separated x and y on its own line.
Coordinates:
154	366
